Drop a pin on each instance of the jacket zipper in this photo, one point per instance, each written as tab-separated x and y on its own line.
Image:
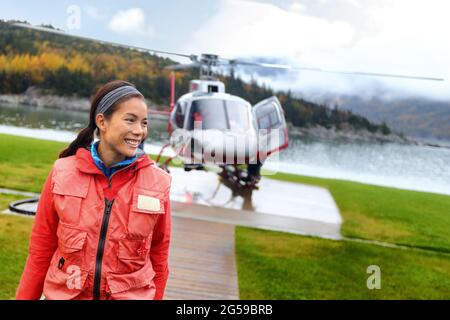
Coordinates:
101	242
101	248
109	179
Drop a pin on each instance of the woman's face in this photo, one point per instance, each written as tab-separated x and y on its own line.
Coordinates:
125	130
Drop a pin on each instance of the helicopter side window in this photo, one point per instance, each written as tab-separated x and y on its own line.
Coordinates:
274	119
268	117
178	116
264	122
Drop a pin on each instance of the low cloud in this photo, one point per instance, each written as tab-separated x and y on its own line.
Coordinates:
131	22
245	28
398	37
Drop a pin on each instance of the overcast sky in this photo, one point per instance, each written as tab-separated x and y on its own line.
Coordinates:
384	36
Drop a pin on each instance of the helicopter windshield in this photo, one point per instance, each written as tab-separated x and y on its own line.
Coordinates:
218	114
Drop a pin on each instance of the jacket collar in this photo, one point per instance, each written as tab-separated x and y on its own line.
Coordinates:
99	163
85	163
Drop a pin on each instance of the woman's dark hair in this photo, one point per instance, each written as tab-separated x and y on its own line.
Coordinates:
86	136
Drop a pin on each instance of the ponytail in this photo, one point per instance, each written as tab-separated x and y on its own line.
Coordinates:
83	140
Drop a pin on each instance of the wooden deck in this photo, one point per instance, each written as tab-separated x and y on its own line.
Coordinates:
202	261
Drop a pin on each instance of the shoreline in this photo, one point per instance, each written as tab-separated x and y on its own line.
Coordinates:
34	98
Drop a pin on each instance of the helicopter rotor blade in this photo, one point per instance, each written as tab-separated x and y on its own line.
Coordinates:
355	73
183	66
223	61
62	33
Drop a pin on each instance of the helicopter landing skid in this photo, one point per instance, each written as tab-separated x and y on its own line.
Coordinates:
240	182
189	167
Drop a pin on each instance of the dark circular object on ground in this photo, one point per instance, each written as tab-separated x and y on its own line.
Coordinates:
15	206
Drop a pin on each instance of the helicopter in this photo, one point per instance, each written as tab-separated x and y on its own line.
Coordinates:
209	118
210	128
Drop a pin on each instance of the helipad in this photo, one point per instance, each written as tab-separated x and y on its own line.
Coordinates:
278	205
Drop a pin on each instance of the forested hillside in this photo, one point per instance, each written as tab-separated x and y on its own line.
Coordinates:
74	67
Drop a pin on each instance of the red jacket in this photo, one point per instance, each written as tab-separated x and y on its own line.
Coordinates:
95	238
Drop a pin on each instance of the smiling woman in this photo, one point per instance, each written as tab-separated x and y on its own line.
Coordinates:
102	227
123	131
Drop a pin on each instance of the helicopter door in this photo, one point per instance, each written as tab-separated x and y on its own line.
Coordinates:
271	125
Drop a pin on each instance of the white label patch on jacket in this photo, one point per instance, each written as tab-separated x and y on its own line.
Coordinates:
148	203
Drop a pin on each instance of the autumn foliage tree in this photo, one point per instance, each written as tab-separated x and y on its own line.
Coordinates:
66	66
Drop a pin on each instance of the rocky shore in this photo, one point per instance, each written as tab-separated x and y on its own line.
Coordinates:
34	97
349	134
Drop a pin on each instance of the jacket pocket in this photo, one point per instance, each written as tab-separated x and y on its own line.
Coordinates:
146	207
68	197
71	242
66	276
138	285
132	255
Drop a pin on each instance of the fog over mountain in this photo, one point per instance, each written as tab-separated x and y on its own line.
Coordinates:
415	116
416	112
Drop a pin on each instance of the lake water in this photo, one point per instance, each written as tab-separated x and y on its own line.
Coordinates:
419	168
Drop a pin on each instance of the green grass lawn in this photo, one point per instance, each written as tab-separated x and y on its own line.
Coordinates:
14	234
26	162
405	217
274	265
